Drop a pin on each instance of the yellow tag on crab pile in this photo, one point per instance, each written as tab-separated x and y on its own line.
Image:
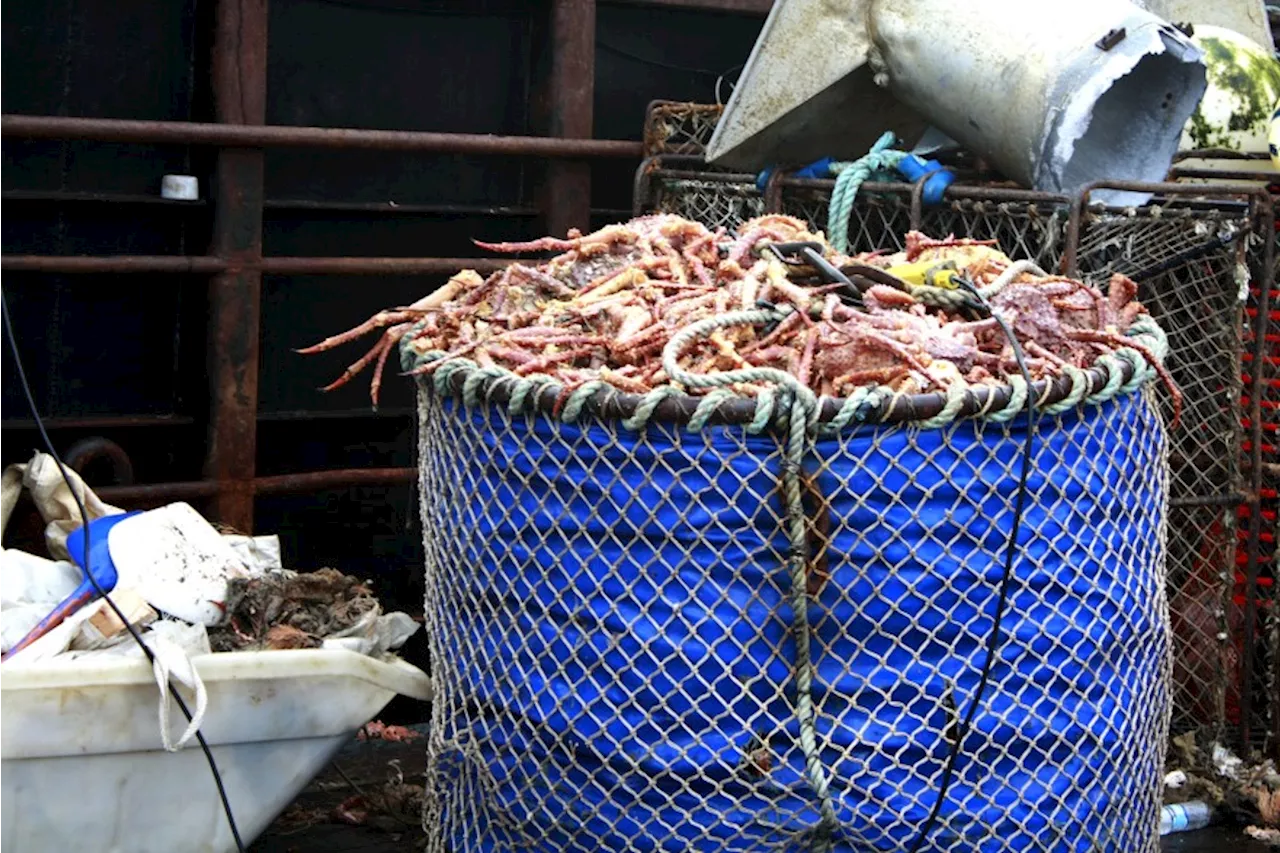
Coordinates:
933	273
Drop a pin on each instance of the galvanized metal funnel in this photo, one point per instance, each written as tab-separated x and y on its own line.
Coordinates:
1055	95
806	91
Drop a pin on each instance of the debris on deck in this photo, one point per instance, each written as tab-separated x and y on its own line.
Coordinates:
1243	792
172	574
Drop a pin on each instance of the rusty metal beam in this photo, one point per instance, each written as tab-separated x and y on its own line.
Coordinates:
101	422
175	264
282	484
379	266
235	295
208	265
567	91
156	493
258	135
315	481
391	207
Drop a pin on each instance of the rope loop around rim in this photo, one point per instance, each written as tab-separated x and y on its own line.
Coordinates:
1120	373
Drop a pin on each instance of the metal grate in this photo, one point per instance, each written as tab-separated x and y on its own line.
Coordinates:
714	204
674	127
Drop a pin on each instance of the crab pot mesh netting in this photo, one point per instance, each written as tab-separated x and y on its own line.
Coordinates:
618	664
1193	263
675	127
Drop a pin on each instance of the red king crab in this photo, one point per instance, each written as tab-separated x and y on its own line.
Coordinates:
605	306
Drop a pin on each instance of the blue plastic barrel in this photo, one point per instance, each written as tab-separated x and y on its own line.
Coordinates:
613	656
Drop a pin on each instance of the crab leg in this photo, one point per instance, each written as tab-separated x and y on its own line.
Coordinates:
625	383
918	243
1117	341
543	244
377	321
376	385
384	343
550	282
430	366
806	360
543	362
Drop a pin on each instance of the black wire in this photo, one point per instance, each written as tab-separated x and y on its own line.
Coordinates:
84	520
993	640
660	63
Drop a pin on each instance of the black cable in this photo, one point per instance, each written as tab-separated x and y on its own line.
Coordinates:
993	641
657	63
84	520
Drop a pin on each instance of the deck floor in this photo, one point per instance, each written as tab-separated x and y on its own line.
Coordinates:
369	763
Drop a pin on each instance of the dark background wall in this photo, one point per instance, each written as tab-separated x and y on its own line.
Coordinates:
121	346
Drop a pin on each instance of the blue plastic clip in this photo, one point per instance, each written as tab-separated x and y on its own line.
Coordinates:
914	168
101	567
819	169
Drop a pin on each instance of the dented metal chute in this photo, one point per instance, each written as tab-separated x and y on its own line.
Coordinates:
1054	95
806	91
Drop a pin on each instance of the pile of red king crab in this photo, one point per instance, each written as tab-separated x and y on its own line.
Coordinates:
606	305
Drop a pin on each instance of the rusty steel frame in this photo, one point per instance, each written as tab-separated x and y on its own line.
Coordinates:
235	265
239	66
567	92
210	264
287	136
278	484
1262	210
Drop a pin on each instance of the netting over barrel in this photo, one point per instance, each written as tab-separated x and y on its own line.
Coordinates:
619	666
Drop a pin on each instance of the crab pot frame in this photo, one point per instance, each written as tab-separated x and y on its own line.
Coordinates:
1205	258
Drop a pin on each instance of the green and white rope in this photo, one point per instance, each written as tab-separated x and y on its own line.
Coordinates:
799	403
859	406
957	393
1017	402
1079	388
862	405
849	178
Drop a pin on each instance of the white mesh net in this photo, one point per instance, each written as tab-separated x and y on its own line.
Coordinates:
615	665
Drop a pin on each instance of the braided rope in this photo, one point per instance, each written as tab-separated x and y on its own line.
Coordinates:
1017	402
957	392
849	178
648	404
862	405
859	406
764	412
953	299
1005	278
1079	387
798	403
707	408
944	298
